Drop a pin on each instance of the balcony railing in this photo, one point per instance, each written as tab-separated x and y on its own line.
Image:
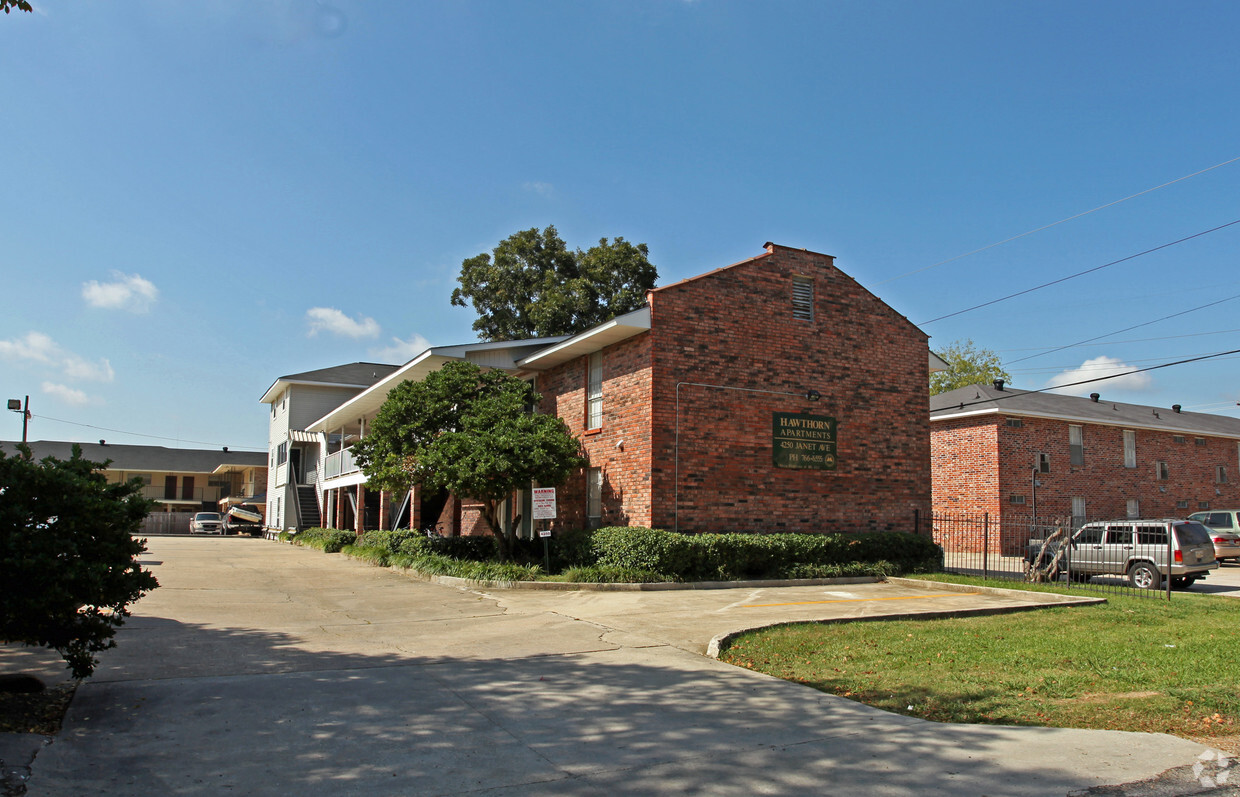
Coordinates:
338	464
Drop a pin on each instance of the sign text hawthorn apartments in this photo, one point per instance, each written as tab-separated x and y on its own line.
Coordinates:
803	441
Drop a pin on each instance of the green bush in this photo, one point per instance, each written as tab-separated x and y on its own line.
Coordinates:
640	548
326	540
613	575
374	554
68	555
388	540
440	565
735	557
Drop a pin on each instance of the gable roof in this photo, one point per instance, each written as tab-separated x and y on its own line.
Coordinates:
982	399
145	458
359	375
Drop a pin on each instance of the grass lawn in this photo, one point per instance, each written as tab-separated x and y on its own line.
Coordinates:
1133	664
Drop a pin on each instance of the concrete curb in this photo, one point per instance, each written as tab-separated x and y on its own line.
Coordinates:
1050	598
1044	600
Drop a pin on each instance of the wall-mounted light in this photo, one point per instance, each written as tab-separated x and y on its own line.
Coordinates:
812	395
620	444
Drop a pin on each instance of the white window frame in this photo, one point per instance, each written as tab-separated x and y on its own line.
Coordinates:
1130	448
594	497
594	390
1042	462
1162	471
1133	507
1078	509
1076	445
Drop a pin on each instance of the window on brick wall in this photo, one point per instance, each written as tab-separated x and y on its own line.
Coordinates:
1181	505
1076	445
1042	462
1203	504
803	298
1177	438
1078	510
1016	499
594	391
1133	507
1220	474
1130	448
1200	441
1161	471
1015	423
594	497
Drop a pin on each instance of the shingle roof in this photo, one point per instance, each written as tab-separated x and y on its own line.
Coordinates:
352	375
986	399
144	458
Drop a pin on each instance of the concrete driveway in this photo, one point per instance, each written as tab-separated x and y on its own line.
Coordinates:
261	668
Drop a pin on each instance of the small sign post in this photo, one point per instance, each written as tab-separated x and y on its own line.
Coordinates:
544	509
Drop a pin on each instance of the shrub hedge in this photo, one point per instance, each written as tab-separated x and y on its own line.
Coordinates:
637	554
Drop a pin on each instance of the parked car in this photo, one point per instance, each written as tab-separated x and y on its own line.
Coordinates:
243	519
1134	548
1224	525
206	523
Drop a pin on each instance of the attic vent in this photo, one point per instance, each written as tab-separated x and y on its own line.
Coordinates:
803	298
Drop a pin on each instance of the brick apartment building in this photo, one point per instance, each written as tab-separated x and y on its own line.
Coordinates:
1008	452
775	394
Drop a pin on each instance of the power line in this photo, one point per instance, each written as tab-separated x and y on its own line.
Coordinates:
1051	369
1125	329
964	404
1079	273
152	436
1054	224
1134	340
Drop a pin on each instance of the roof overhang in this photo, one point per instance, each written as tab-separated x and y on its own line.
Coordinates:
613	331
937	363
278	386
946	414
368	402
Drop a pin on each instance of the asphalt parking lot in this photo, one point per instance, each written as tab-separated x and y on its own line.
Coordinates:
262	668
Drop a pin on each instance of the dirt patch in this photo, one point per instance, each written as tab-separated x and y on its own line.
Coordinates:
1106	697
37	712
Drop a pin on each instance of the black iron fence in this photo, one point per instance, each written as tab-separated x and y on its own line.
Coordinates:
1045	550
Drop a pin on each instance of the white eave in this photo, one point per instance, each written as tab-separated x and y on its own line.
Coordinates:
613	331
953	413
937	363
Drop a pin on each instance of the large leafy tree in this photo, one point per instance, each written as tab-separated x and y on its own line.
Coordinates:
67	555
471	432
967	365
20	5
533	285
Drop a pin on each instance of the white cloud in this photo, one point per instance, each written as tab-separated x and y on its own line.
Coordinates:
65	393
329	319
402	351
126	292
40	348
542	189
1099	367
35	346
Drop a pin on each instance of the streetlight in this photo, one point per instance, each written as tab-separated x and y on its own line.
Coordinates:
16	406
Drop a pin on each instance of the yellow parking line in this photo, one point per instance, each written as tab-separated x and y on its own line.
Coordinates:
857	600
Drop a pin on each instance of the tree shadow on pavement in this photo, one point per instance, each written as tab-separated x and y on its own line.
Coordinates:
192	709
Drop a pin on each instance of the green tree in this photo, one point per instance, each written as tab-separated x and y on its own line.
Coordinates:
67	555
20	5
533	285
470	432
967	365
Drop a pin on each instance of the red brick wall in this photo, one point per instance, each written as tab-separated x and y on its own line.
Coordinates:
1103	481
964	457
734	327
626	421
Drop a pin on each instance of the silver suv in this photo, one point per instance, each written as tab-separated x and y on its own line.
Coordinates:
1138	549
206	523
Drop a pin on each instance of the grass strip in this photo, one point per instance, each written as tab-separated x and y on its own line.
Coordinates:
1132	664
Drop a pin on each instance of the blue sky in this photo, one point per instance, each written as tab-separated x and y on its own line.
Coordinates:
196	198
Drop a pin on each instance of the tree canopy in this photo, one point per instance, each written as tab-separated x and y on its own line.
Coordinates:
20	5
470	432
532	285
968	365
67	555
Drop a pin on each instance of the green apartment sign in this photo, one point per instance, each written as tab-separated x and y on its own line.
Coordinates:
803	441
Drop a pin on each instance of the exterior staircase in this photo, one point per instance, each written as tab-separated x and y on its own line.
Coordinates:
308	507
